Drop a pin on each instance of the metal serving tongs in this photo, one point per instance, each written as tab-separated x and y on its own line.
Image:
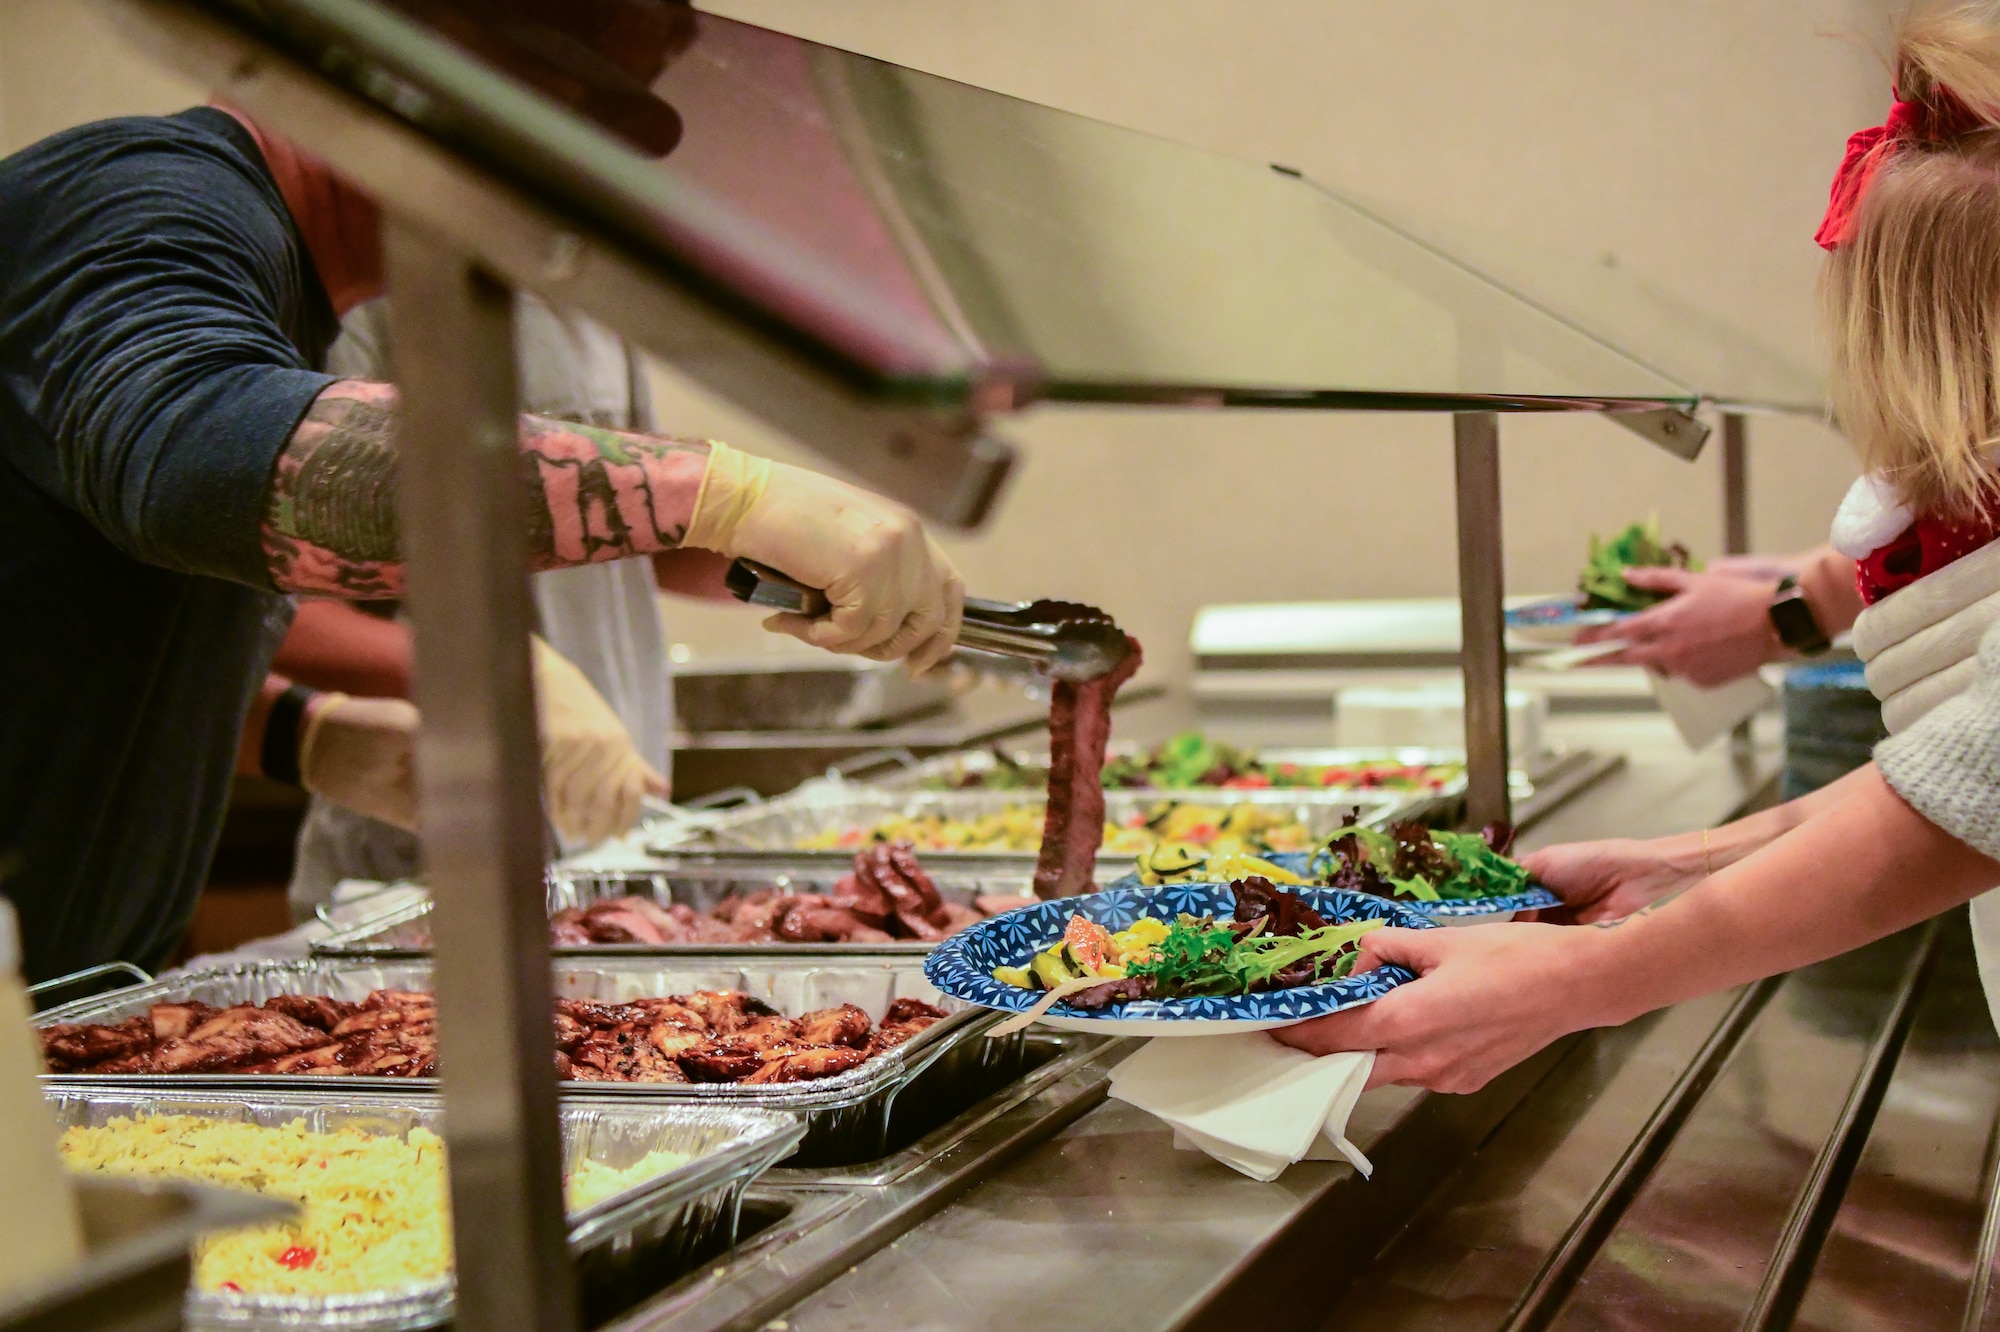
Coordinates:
1064	639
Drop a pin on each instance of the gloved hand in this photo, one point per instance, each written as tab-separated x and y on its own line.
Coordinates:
895	594
592	775
361	753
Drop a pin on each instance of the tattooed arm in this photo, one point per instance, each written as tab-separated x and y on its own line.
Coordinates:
331	524
1489	997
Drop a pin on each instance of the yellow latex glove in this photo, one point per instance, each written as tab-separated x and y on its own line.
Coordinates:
592	776
361	753
895	594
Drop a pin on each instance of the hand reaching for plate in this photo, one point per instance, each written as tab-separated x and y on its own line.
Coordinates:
1610	879
1484	1000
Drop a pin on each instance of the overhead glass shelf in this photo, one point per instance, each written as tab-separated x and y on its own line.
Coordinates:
935	241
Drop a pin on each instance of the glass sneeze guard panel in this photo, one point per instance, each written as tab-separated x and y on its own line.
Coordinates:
927	237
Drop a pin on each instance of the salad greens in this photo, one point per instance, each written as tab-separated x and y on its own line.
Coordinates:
1639	546
1200	957
1431	866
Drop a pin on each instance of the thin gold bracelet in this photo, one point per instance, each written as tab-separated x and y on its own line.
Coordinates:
1707	865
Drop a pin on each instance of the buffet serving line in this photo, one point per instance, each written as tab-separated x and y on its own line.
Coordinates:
746	1043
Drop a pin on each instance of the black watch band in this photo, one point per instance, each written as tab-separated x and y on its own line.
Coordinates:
1793	620
279	757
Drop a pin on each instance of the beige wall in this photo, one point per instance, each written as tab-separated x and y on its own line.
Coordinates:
1685	144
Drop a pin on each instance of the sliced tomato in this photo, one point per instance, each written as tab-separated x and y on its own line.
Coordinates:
298	1258
1089	943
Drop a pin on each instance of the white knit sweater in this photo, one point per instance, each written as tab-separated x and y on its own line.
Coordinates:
1947	765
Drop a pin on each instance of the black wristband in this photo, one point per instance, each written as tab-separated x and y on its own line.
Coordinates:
280	756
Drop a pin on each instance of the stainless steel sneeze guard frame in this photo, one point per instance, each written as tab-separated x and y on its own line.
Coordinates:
849	1118
623	1245
453	225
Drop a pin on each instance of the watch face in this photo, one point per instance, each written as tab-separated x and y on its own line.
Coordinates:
1793	619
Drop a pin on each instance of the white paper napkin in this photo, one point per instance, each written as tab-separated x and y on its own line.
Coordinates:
1249	1102
1700	715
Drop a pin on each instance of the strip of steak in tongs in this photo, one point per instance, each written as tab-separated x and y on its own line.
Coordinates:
1073	826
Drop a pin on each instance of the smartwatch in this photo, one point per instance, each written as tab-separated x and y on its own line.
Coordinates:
1793	620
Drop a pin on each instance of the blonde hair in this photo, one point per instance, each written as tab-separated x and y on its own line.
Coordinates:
1912	298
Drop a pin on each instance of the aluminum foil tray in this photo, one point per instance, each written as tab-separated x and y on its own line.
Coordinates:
625	1246
406	929
848	1118
757	834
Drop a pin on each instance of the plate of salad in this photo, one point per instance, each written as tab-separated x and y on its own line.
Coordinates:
1602	594
1185	959
1455	878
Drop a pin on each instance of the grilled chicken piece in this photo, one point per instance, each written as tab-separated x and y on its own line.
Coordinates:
671	1011
567	930
233	1038
726	1010
670	1039
391	1054
568	1031
75	1046
766	1029
615	923
594	1015
957	917
670	923
720	1061
814	1062
860	896
905	1010
992	904
384	1019
324	1059
173	1021
399	999
845	1025
624	1059
315	1010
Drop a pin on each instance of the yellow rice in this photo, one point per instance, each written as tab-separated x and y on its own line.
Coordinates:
376	1212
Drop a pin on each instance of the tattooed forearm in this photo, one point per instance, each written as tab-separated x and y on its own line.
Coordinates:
594	494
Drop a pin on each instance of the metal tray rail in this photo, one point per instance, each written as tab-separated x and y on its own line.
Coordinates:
625	1246
927	1079
753	835
406	930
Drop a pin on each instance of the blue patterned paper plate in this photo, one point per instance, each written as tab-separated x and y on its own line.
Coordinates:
1478	911
962	966
1475	911
1556	620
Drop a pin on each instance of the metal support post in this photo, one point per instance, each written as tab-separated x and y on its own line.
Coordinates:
1736	535
1735	484
479	763
1482	618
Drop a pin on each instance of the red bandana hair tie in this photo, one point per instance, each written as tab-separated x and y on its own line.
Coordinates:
1944	116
